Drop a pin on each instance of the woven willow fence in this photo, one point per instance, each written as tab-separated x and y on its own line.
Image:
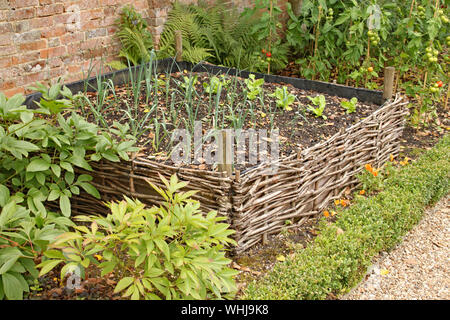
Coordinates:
258	202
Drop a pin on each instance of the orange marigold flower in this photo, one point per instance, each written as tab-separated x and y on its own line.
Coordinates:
344	203
368	167
326	214
362	192
391	158
336	202
375	173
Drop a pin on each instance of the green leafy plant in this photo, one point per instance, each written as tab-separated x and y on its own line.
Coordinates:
267	28
166	252
350	106
212	32
320	103
40	150
216	84
254	87
134	36
284	99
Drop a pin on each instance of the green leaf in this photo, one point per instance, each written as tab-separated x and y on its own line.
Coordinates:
89	188
54	254
12	287
48	265
64	204
4	195
56	170
38	165
8	264
123	283
162	245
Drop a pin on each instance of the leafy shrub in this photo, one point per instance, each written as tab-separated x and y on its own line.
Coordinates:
134	36
39	151
336	261
170	252
210	32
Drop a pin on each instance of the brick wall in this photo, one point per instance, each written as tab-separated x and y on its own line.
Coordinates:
42	40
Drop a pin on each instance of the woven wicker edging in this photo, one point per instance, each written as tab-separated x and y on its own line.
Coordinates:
257	202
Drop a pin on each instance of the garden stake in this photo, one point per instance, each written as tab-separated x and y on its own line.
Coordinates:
388	91
226	153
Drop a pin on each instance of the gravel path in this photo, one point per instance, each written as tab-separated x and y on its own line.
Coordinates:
418	268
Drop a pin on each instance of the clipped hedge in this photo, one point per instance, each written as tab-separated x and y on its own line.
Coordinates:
336	261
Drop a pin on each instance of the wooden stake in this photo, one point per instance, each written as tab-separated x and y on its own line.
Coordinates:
226	153
178	46
389	74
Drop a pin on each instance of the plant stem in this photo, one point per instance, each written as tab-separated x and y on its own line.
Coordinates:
316	40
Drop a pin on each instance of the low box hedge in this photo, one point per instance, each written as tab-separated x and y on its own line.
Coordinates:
336	261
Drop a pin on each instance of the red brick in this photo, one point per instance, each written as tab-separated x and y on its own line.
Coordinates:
11	92
91	44
5	62
9	84
49	10
93	53
7	50
55	62
53	32
62	18
43	22
23	3
22	14
74	68
6	27
32	46
72	37
25	57
53	52
5	39
93	14
32	78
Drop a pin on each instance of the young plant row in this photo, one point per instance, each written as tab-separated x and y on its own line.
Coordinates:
346	41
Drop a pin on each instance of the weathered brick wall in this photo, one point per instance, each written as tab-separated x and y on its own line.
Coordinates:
42	40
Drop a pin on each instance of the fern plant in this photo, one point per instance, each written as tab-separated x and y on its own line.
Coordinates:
134	36
213	33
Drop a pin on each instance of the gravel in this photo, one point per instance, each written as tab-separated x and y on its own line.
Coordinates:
416	269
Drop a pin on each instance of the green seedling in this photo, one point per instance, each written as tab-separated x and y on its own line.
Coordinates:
350	106
320	104
284	98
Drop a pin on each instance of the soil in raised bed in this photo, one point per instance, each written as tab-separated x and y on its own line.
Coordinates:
298	128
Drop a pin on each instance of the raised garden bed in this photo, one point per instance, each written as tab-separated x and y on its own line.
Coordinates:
316	165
